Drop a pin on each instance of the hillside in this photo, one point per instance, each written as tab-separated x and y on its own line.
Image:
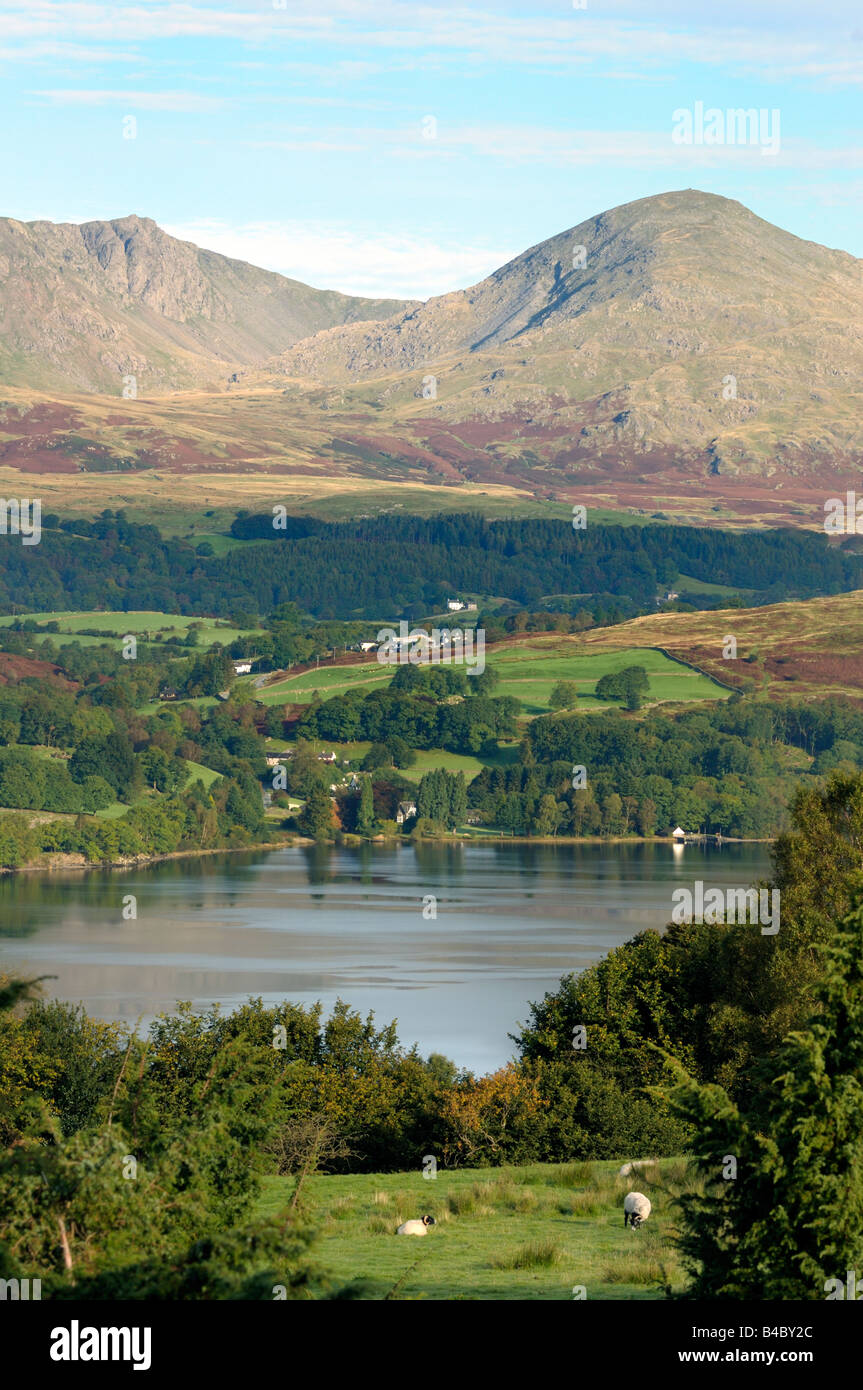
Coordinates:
804	650
609	343
82	306
694	361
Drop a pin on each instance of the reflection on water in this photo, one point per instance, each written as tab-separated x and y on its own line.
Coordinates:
324	922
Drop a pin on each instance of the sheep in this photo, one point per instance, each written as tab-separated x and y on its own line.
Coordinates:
629	1168
416	1228
636	1209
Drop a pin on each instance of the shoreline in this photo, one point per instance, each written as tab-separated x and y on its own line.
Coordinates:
66	863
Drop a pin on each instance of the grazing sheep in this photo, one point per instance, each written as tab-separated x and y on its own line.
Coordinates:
636	1209
419	1228
629	1168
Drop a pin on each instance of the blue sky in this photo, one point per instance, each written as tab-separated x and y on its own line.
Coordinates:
382	147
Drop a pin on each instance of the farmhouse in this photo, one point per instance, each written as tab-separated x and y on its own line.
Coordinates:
406	811
242	668
276	759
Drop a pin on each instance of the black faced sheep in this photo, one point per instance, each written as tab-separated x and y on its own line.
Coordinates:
636	1209
416	1228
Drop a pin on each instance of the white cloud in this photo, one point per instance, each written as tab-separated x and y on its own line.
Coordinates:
362	262
563	149
787	37
147	101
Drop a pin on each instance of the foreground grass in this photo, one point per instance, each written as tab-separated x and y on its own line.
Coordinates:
534	1232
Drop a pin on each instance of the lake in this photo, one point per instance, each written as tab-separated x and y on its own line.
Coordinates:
325	922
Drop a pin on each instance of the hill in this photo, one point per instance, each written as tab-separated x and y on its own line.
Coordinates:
675	355
83	306
611	344
797	650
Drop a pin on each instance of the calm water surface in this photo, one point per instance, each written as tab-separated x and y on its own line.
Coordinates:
327	923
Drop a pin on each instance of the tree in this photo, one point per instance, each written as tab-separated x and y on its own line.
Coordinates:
307	1144
379	755
786	1219
564	695
366	812
548	816
316	817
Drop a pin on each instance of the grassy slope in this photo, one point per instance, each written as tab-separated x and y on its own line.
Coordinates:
528	670
485	1217
807	649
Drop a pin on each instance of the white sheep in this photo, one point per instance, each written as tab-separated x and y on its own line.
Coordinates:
629	1168
416	1228
636	1209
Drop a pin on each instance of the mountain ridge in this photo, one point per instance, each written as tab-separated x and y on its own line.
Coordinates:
141	302
676	336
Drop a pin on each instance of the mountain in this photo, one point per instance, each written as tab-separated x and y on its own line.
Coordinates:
680	325
82	306
675	353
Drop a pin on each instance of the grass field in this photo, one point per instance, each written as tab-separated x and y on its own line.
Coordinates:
199	773
535	1232
531	669
153	625
528	670
327	680
427	759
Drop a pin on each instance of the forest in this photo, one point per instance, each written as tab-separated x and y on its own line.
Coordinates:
406	566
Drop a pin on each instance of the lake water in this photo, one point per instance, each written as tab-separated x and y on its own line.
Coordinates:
325	922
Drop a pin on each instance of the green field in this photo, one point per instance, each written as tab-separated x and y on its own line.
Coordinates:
686	584
199	773
529	671
153	625
530	675
535	1232
427	758
327	680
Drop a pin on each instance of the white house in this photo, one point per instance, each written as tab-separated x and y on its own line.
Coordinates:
454	605
406	810
368	646
276	759
242	668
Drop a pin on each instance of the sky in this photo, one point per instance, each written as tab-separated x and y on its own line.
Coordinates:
388	148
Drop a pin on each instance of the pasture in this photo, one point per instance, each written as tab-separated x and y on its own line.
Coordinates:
147	625
529	670
533	1232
